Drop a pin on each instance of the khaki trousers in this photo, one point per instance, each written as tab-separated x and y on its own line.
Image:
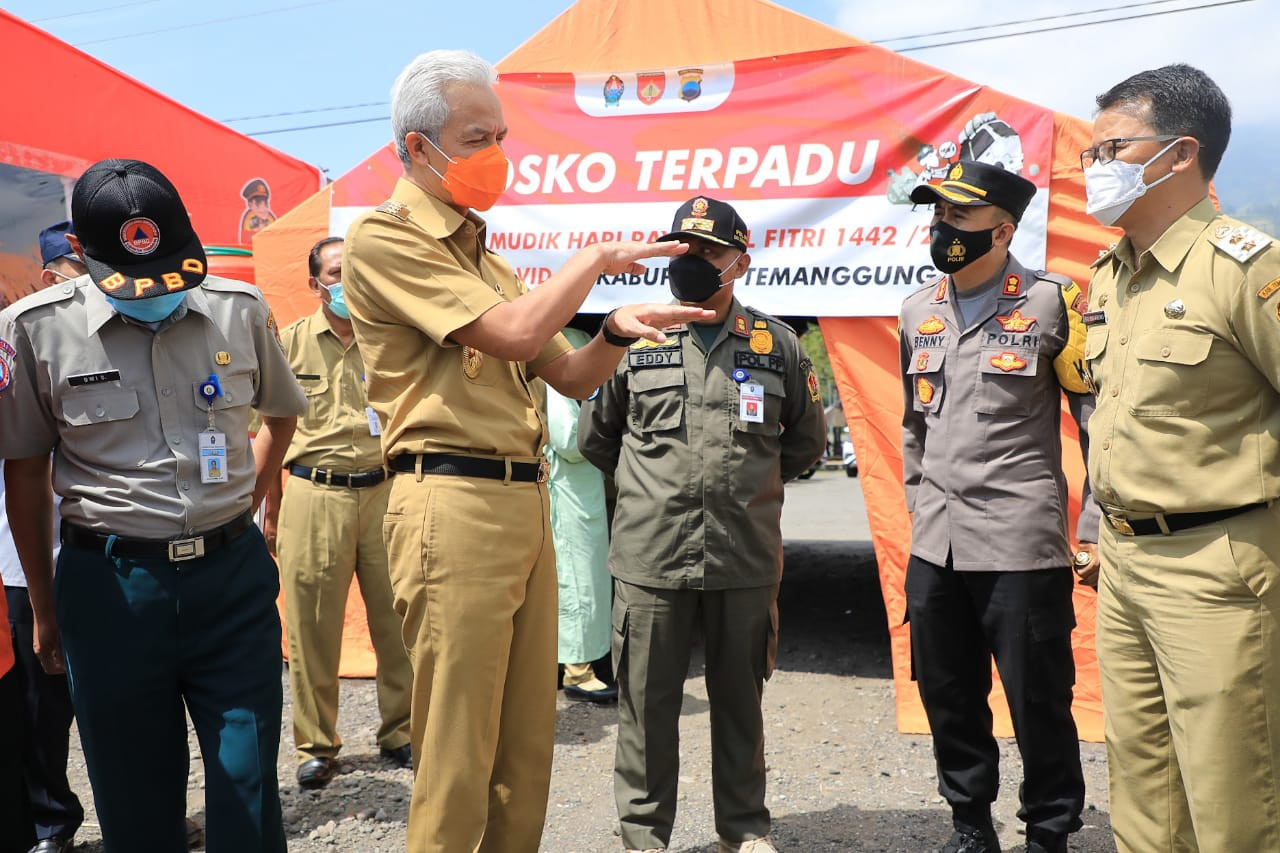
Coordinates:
474	574
326	534
1188	632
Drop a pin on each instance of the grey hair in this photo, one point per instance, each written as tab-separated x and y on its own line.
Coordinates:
418	95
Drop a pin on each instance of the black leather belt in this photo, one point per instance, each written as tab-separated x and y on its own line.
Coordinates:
360	480
471	466
173	550
1172	523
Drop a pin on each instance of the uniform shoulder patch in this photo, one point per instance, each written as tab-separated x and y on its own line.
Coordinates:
761	317
46	296
1269	289
1241	242
1059	279
398	209
230	285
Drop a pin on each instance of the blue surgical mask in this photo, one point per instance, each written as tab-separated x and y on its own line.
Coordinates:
338	302
152	309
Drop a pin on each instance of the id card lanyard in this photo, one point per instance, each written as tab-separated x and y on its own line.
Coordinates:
750	398
213	444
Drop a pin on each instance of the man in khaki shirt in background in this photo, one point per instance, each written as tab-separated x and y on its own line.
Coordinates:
1184	349
330	527
451	340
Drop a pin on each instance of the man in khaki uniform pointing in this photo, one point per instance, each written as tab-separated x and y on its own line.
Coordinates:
330	528
451	339
1184	347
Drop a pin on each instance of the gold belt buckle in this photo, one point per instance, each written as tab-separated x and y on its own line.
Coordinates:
544	470
1120	523
186	549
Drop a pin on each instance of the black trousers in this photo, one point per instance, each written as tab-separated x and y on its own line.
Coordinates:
959	621
46	726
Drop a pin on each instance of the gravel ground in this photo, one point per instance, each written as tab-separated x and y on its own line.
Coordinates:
841	778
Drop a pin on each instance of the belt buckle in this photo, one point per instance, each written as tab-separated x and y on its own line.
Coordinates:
181	550
1120	524
544	470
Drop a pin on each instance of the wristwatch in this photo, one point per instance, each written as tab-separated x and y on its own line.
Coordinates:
611	337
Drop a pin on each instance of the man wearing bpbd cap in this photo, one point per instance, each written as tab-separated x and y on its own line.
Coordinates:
700	432
987	349
139	379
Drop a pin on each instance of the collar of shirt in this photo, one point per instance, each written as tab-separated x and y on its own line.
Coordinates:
1176	241
98	310
431	214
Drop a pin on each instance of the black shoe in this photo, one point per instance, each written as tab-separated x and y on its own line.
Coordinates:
316	773
972	841
604	695
1039	841
401	756
53	844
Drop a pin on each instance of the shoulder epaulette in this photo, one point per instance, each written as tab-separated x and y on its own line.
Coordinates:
1103	255
1241	242
47	296
398	209
230	285
1057	278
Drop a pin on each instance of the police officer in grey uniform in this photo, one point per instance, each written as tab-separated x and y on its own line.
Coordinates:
986	351
139	378
700	433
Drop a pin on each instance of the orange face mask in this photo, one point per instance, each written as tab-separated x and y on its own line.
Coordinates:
476	181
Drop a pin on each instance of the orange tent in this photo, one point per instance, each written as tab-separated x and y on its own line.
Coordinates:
232	185
602	36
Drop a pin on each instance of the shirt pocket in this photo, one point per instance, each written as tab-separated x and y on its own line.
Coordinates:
230	408
1006	377
1168	384
775	392
315	386
927	382
657	399
107	421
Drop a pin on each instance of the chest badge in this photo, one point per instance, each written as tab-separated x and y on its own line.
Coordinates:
221	358
1175	310
1008	361
922	363
924	389
1016	322
472	358
931	326
761	341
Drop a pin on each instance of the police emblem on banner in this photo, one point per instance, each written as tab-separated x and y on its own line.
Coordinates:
690	83
613	89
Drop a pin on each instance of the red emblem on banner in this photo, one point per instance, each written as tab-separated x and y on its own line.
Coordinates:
650	86
1013	286
922	363
1008	361
1015	322
924	388
931	326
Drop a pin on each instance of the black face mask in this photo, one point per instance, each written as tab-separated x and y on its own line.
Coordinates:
694	278
953	249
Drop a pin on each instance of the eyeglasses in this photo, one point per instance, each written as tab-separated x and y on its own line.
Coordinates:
1105	151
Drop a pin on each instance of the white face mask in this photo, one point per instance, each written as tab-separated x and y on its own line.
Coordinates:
1111	188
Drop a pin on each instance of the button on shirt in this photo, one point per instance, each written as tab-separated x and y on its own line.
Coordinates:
1188	416
120	405
414	271
699	488
333	433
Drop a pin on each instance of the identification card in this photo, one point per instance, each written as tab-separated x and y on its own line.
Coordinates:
375	428
213	457
751	402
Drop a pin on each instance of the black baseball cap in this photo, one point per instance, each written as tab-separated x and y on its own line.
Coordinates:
710	220
134	230
54	245
970	183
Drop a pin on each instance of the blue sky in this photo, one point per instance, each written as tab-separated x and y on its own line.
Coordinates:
239	58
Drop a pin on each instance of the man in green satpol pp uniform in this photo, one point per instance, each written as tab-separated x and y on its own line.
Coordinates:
700	433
